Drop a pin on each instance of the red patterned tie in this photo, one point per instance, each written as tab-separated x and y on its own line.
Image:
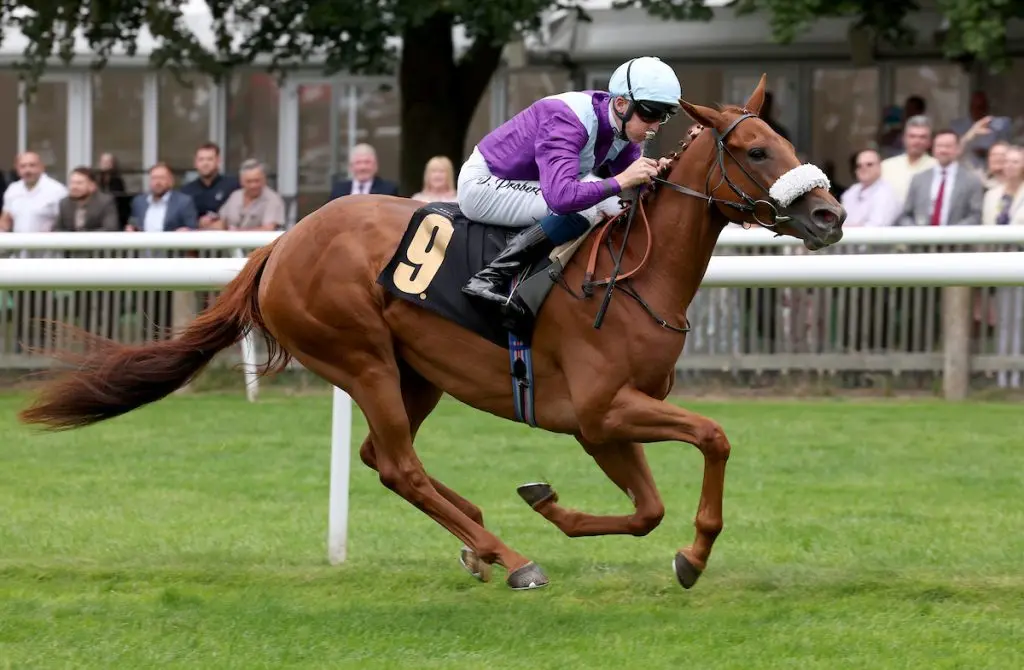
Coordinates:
937	210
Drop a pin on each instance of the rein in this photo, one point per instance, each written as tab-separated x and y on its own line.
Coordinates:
749	205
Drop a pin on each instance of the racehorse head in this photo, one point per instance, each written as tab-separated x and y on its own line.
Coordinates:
757	177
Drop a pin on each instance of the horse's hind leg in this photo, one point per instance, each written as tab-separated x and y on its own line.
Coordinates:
420	397
378	393
626	465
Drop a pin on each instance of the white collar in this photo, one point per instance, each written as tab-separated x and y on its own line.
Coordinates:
615	121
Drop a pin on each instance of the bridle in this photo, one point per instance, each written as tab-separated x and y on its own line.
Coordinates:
749	204
781	194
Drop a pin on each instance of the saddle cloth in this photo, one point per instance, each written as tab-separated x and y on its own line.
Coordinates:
439	252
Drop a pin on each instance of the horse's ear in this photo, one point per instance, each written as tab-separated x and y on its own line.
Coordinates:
705	116
757	97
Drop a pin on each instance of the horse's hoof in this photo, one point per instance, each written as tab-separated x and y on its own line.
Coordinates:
687	573
530	576
536	493
474	566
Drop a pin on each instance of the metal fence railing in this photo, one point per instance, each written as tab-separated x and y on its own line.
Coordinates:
736	333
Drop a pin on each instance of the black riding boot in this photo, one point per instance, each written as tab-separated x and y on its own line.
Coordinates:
528	246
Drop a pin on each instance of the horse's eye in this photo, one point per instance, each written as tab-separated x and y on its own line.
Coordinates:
758	154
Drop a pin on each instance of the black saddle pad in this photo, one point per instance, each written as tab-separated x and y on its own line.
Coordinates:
440	251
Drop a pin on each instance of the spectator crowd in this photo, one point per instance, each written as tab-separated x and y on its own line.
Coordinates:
96	199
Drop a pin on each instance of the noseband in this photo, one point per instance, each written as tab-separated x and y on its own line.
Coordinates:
782	193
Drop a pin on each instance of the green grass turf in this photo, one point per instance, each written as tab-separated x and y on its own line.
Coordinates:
192	534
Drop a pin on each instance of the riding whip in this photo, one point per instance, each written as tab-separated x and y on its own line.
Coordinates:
646	152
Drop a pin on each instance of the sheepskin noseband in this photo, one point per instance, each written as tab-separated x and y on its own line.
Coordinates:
798	181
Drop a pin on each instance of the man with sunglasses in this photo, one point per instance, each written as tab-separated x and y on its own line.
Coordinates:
537	171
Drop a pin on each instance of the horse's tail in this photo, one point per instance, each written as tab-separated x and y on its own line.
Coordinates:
111	379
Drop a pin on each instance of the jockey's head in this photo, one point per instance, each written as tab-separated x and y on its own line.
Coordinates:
645	93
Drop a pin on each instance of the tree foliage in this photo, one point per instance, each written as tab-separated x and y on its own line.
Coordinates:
439	90
976	28
351	35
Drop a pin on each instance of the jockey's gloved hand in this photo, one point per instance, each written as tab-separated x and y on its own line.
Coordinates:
640	172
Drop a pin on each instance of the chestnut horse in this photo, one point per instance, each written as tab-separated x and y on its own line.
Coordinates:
313	294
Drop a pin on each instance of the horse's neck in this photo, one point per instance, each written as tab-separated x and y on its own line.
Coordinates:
684	230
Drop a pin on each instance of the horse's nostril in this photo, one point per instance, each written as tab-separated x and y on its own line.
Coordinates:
824	216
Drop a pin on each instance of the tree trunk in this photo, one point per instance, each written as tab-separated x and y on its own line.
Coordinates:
438	95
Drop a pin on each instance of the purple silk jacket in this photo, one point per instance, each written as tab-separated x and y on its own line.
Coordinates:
556	141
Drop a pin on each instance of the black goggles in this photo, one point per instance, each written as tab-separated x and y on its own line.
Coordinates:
651	112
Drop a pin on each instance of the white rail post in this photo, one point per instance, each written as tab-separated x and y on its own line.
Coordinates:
341	460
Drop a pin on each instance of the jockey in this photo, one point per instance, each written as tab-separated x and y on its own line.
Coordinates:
536	171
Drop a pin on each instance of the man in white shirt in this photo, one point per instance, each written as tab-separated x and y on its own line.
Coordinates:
950	194
871	201
32	204
899	170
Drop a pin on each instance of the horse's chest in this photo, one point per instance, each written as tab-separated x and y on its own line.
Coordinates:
653	361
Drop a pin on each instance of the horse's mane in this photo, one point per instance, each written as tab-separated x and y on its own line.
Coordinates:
676	155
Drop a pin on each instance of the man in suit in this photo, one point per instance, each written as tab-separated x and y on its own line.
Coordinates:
362	166
948	194
85	207
162	209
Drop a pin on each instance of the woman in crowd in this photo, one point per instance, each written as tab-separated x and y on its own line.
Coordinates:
1004	206
438	181
109	180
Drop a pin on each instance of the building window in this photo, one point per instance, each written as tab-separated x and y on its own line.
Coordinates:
315	154
47	131
252	121
379	123
184	118
118	121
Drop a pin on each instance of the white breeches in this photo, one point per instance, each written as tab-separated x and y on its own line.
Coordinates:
517	204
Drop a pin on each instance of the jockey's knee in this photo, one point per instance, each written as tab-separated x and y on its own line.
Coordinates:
562	228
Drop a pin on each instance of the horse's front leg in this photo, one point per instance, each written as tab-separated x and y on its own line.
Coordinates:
632	416
626	465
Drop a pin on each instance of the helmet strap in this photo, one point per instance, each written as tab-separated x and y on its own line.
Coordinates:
620	133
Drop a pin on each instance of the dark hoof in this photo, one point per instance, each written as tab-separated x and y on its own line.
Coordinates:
536	493
530	576
685	571
474	566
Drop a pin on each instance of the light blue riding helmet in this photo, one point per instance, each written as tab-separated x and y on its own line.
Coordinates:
650	86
